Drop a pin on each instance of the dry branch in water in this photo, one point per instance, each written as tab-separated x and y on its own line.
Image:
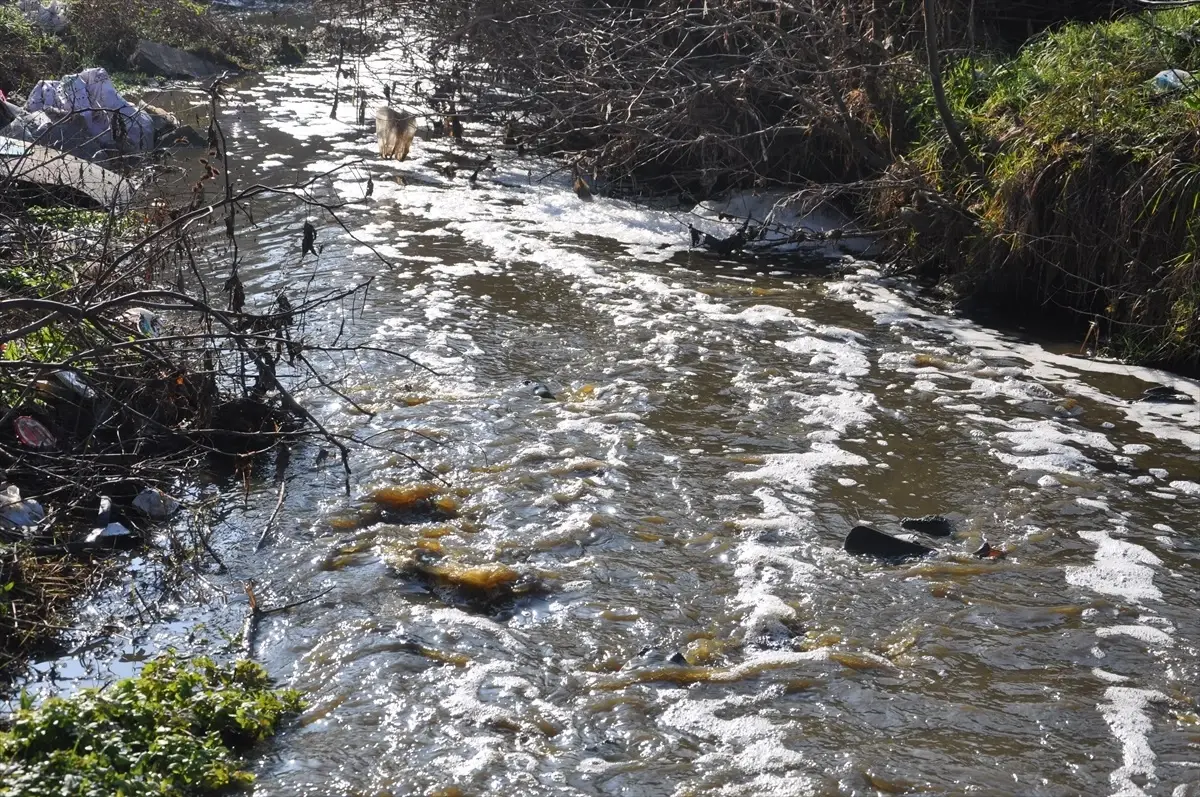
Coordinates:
128	363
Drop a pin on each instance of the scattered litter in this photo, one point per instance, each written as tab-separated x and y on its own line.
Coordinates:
75	382
15	511
986	551
76	114
1165	394
1170	80
111	530
146	322
155	504
538	389
50	17
33	434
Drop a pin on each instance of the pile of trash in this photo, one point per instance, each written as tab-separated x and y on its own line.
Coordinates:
114	527
82	114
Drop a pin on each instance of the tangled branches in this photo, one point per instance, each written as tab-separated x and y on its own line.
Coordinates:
698	95
133	357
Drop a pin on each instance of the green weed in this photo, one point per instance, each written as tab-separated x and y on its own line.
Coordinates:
178	728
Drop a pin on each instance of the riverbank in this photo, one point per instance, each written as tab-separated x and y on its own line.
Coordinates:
1076	191
1054	182
86	33
127	362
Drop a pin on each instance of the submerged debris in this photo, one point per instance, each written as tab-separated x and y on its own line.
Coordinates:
538	389
933	525
1165	394
16	512
414	503
866	541
724	246
986	551
490	588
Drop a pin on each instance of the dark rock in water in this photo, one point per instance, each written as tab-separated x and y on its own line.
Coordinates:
182	137
866	541
933	525
1165	394
538	389
170	62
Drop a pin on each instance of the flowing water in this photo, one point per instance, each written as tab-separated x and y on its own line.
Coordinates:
716	430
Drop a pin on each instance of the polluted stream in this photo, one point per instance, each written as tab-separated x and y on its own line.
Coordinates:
625	572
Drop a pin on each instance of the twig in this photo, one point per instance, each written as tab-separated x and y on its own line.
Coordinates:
262	538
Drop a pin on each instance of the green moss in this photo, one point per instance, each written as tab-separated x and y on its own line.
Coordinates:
177	728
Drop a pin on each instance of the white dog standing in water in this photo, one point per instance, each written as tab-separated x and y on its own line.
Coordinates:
395	130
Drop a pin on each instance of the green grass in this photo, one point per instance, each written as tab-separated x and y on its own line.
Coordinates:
1082	81
178	728
1091	184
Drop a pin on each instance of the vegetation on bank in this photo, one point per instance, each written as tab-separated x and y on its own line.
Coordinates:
1069	193
178	728
1090	182
105	33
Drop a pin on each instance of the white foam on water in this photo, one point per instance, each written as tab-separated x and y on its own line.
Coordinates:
836	358
753	747
1109	677
799	471
1180	422
1122	569
1142	633
1127	718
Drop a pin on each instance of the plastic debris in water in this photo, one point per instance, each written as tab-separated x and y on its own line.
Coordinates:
986	551
156	504
75	382
33	434
15	511
110	533
1166	394
538	389
146	322
1172	80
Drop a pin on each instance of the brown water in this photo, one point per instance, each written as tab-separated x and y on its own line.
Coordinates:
716	431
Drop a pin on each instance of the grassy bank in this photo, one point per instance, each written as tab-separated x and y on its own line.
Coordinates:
1085	205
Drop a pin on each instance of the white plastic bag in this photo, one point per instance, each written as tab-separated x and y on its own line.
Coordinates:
17	512
78	112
